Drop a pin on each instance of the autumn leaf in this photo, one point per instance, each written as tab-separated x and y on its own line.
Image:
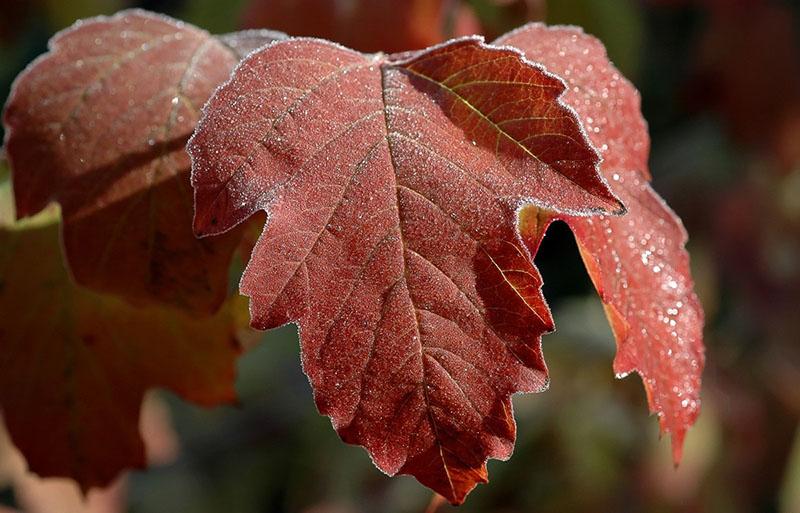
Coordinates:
366	25
33	494
637	262
76	363
392	186
99	125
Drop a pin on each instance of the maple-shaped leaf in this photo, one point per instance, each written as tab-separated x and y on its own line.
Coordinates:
392	186
99	124
76	363
637	263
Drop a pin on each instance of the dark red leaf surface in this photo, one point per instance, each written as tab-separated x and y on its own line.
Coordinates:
392	188
637	262
99	124
76	364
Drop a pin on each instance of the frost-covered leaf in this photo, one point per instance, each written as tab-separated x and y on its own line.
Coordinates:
245	41
637	262
99	125
392	187
76	364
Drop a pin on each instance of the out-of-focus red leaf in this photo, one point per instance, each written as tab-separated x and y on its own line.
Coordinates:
76	364
463	21
37	495
637	262
366	25
99	124
764	35
763	251
500	16
392	187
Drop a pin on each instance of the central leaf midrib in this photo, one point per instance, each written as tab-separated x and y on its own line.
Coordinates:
424	383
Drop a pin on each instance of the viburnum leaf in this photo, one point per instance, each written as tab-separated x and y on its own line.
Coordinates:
76	363
99	124
392	186
637	262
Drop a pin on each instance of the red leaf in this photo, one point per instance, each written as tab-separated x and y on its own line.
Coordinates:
76	364
99	124
392	188
638	262
367	25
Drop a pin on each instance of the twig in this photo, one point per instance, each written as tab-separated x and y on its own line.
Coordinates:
436	501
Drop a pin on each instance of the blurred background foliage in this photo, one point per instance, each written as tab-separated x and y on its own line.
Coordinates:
720	81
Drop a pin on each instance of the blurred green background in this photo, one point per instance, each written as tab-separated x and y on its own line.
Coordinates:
720	81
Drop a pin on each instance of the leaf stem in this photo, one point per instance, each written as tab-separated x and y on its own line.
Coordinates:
436	502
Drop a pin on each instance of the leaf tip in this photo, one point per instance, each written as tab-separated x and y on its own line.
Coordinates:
677	438
201	226
620	209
